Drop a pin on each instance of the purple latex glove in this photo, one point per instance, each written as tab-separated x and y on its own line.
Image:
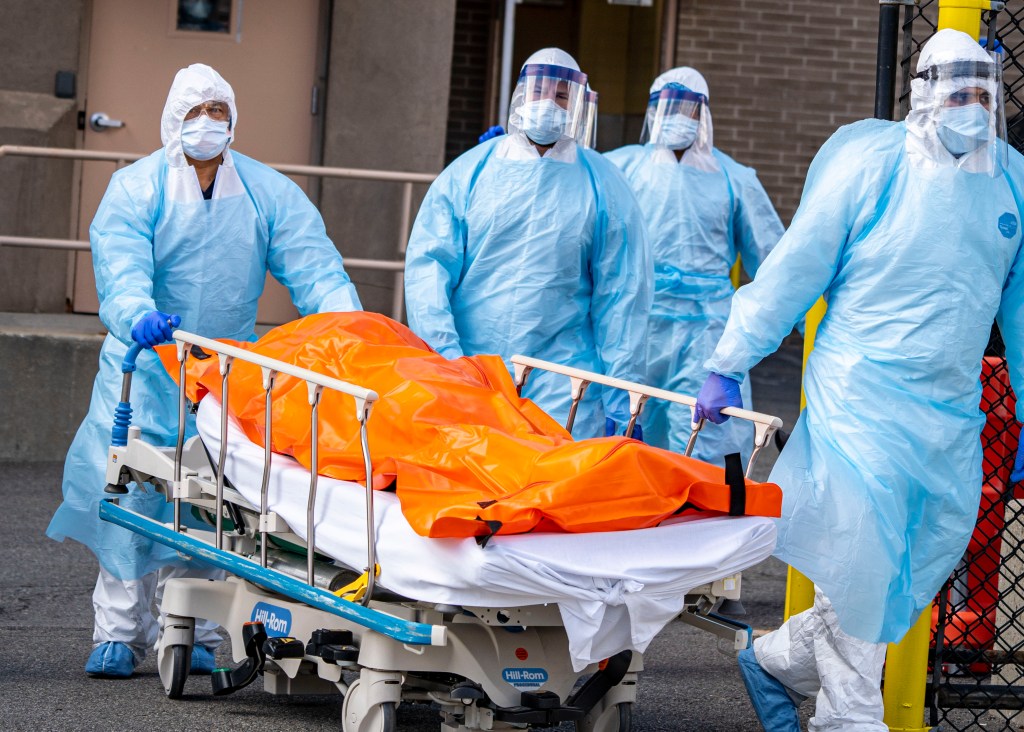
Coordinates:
154	328
717	393
495	131
1018	463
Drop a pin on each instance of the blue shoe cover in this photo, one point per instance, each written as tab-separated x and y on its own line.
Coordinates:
111	660
202	660
774	706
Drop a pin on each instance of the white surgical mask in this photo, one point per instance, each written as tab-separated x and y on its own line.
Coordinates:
544	121
678	132
203	138
963	129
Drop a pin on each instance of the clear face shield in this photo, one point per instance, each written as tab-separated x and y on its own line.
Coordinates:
547	103
586	134
675	118
967	108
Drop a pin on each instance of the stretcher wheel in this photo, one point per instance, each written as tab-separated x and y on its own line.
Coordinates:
378	718
181	661
618	718
625	717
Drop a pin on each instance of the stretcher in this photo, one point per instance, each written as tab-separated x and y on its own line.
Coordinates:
523	631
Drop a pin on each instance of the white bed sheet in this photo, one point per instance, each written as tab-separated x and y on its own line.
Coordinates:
615	590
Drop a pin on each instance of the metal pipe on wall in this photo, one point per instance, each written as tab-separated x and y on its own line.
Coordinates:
669	34
508	36
885	76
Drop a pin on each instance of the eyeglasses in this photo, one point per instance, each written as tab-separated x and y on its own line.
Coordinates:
970	95
218	111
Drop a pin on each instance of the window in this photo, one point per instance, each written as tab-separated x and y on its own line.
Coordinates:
204	16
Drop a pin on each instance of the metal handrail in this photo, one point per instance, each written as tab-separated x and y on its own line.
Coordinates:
407	179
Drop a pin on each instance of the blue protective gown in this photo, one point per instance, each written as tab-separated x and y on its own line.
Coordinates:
697	222
207	262
882	474
538	257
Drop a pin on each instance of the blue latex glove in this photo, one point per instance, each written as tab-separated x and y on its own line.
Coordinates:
610	427
154	328
717	393
1018	463
495	131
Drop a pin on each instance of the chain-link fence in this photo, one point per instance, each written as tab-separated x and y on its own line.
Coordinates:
977	656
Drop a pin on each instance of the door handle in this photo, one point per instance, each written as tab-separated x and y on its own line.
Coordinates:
100	122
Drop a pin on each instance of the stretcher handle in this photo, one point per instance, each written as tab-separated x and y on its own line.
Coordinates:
123	411
128	364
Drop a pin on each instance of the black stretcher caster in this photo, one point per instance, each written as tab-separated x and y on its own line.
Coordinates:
228	681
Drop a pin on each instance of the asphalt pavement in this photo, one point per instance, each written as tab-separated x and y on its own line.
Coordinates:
46	630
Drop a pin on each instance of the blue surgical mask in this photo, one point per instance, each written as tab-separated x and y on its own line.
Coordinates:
203	138
544	121
963	129
678	132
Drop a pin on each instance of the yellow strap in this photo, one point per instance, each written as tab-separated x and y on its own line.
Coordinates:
354	590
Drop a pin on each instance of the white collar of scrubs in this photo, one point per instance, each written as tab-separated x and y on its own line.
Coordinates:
183	183
516	146
699	159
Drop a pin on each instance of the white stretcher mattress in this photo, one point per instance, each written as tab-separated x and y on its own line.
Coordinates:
615	590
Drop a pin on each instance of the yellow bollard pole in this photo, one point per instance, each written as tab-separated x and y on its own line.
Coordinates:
799	594
906	673
963	15
811	322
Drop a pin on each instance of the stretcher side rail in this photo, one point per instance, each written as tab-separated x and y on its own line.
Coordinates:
765	425
315	384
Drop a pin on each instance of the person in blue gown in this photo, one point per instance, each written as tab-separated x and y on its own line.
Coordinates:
911	233
530	244
702	209
185	235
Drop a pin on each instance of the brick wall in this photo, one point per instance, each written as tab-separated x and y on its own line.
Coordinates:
467	102
783	75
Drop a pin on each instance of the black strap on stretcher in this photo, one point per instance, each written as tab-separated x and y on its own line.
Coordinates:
493	527
737	484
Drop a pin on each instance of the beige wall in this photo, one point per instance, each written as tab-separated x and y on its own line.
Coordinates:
387	108
35	195
35	200
37	39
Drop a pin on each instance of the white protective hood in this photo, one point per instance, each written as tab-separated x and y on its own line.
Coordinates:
191	86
